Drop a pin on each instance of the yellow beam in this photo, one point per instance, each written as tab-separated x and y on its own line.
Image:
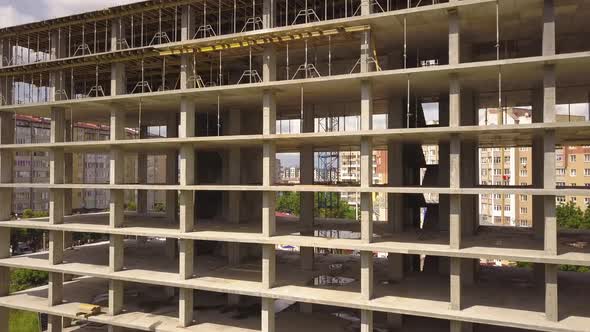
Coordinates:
189	49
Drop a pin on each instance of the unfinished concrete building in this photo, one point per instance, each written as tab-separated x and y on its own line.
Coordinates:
218	77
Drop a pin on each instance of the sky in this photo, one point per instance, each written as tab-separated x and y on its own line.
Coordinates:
15	12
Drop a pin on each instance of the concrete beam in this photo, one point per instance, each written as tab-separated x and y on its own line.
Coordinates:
185	307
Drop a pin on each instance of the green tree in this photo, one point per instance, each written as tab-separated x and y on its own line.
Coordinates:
326	205
569	215
21	279
289	202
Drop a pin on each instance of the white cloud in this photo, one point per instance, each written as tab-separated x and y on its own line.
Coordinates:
10	16
59	8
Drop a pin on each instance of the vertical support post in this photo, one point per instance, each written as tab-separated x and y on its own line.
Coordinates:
366	321
171	170
454	37
366	162
268	14
142	162
367	275
547	179
186	258
116	169
456	284
268	315
6	174
233	177
306	198
115	297
187	164
185	306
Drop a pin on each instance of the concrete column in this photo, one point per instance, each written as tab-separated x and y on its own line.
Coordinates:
118	28
456	283
116	170
269	265
4	274
551	292
455	200
366	275
55	288
56	247
187	164
185	307
454	37
116	289
268	14
54	323
171	170
366	162
68	171
395	266
366	321
6	166
268	164
366	51
118	79
548	27
5	53
268	315
307	198
233	177
269	63
459	326
186	258
116	252
187	23
366	8
56	166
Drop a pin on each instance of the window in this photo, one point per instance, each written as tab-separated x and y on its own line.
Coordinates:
497	160
560	171
587	200
573	199
507	159
497	208
573	172
523	210
497	171
560	199
586	171
587	157
506	171
506	207
497	196
523	160
523	198
573	184
523	172
560	184
572	158
484	172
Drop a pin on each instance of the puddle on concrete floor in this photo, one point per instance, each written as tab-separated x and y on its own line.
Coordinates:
327	280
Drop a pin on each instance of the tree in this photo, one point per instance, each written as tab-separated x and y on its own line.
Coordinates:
326	205
571	216
289	202
21	279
